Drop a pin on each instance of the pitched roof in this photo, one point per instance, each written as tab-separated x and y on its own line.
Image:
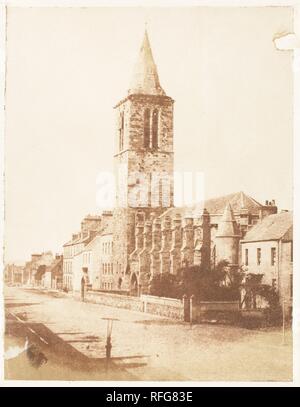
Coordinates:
145	77
91	243
106	229
237	201
78	239
227	225
216	206
272	227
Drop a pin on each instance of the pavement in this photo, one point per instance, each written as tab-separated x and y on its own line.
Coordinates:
68	338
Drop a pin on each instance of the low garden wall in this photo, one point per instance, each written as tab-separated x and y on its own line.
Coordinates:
181	310
167	307
113	300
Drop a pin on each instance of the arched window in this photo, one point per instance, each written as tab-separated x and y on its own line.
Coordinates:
121	132
147	128
155	128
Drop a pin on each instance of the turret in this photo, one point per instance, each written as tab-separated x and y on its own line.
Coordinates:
228	237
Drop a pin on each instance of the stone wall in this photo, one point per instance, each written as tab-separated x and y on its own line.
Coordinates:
171	308
113	300
168	307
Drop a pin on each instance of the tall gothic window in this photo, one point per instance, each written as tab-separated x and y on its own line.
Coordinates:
155	129
147	128
121	132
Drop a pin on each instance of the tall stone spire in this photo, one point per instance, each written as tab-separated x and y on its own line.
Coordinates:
145	77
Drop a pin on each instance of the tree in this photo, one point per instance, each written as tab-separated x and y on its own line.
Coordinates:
220	284
254	288
164	285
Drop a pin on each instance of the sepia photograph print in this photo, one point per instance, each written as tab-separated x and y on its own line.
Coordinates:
148	193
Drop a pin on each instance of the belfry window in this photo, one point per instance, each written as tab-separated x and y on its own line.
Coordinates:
155	128
121	132
147	128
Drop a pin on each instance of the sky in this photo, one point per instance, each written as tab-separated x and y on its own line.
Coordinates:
68	67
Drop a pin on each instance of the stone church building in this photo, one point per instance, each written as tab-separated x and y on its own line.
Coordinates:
146	234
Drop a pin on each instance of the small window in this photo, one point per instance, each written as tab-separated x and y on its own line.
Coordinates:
274	283
246	257
273	256
258	256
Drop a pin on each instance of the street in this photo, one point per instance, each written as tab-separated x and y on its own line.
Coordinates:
70	337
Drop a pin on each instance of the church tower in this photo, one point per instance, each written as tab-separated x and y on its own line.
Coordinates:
143	158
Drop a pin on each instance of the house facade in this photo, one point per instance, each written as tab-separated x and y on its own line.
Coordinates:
90	227
267	249
82	253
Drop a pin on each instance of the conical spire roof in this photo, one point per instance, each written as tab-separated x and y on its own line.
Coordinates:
227	226
145	77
